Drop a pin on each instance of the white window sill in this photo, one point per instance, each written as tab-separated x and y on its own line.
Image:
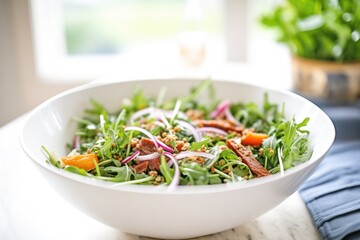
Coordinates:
267	76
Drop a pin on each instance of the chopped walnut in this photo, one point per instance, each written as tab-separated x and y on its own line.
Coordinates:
195	114
236	134
153	173
160	150
197	159
177	129
169	138
222	162
134	142
159	179
227	170
185	147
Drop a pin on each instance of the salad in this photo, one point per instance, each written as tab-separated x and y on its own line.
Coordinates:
184	141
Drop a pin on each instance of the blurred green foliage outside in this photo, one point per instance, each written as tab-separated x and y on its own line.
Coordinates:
318	29
112	26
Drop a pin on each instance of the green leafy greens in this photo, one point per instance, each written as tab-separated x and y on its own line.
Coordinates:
318	29
116	151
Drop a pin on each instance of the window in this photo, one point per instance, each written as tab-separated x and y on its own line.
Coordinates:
82	39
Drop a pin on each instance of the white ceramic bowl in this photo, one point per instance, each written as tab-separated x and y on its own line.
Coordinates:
152	211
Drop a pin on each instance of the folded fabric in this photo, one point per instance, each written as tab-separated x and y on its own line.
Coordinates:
332	193
346	121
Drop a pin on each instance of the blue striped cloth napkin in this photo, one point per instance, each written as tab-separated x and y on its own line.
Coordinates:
332	193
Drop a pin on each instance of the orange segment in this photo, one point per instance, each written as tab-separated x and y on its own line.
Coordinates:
85	161
253	139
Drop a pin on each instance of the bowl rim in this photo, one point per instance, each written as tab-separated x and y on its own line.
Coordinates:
150	189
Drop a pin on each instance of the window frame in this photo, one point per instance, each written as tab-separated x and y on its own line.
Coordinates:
53	66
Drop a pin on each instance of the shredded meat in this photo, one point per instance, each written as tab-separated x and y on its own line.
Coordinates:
154	164
247	157
141	167
146	146
223	124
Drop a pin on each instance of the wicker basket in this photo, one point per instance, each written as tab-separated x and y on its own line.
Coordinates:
326	80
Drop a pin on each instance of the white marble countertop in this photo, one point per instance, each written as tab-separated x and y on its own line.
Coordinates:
31	209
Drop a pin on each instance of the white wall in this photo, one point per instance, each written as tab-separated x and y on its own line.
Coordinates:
10	97
21	89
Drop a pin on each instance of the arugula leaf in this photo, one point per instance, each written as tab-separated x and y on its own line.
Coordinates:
96	109
51	158
123	174
197	174
76	170
139	101
165	170
195	92
120	120
228	155
242	170
301	149
214	179
197	145
294	143
303	124
262	120
288	143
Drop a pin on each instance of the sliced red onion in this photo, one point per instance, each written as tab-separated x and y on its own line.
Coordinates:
185	154
160	124
212	129
134	128
220	108
231	117
176	179
76	142
141	113
164	146
131	157
190	128
162	117
147	157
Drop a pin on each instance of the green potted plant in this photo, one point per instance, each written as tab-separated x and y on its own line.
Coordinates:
323	37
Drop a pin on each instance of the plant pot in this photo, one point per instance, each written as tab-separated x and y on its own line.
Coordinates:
326	80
